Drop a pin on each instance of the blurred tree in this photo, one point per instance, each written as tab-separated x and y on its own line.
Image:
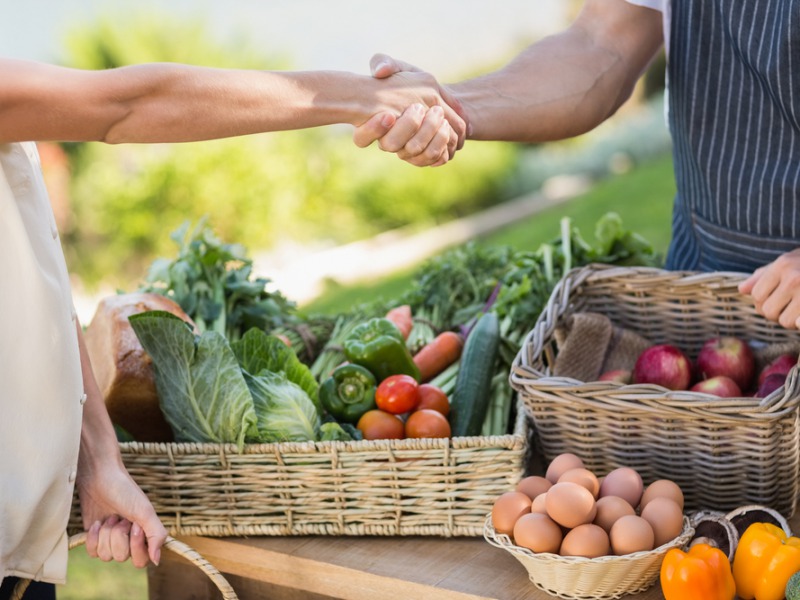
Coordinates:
312	185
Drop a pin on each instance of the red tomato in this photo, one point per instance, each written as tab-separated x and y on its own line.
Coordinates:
379	425
397	394
427	423
434	398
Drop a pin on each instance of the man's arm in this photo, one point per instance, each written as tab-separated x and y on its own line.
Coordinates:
566	84
165	102
558	87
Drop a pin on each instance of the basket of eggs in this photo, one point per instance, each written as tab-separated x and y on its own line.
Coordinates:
584	537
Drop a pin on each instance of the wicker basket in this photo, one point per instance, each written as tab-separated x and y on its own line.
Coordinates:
722	452
589	578
176	546
433	487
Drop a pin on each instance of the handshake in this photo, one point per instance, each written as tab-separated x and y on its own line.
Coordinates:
427	132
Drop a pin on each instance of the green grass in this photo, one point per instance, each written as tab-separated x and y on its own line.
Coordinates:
92	579
643	197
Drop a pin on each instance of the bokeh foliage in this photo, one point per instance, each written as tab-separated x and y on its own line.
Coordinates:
311	186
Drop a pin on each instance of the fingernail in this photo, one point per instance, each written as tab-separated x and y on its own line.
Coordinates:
95	527
387	120
157	557
469	129
380	66
418	108
136	529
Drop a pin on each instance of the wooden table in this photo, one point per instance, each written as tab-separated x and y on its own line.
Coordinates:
353	568
360	568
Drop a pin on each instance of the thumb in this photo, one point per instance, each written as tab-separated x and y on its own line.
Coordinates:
155	534
374	129
383	66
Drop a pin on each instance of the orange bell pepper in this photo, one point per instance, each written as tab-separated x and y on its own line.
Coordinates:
765	559
702	573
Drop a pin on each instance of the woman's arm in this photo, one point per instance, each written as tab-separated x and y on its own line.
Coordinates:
120	520
166	102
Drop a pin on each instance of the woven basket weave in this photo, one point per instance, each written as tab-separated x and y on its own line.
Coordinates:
433	487
579	578
722	452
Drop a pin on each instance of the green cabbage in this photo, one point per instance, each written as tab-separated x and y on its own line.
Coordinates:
284	411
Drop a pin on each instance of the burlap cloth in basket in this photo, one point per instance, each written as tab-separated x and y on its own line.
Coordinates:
589	344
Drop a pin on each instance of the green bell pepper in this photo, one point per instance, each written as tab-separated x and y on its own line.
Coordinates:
379	346
348	393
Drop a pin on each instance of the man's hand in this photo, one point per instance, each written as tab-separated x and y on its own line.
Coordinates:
775	289
419	136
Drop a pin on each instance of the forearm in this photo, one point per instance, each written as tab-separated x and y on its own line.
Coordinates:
176	103
568	83
98	446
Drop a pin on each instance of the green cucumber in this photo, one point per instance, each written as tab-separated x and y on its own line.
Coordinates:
472	393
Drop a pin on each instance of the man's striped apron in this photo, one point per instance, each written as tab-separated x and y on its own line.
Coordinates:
734	115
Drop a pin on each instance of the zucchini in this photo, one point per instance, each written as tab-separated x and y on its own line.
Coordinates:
472	392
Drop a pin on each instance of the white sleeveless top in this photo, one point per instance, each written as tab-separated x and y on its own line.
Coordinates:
41	387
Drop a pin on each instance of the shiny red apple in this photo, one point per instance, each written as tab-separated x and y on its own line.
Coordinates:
729	356
771	383
665	365
780	365
721	386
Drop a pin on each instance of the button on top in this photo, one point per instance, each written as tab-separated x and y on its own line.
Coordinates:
82	399
72	476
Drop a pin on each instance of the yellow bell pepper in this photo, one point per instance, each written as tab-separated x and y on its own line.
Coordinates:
702	573
765	559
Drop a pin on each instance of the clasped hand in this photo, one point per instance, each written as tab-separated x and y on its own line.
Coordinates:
424	134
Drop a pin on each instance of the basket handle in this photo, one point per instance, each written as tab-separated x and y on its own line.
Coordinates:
178	547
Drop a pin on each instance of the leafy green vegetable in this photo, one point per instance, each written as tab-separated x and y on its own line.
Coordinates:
284	411
337	432
258	351
201	388
212	281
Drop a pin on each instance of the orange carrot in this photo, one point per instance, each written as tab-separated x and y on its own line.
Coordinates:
401	317
438	354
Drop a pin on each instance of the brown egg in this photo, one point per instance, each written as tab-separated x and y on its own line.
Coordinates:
609	509
583	477
631	534
625	483
570	504
539	504
587	540
538	533
507	509
533	485
663	488
561	464
666	519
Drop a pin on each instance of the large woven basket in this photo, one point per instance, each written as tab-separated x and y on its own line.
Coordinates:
722	452
579	578
433	487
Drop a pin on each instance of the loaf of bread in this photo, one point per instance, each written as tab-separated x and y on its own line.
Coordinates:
122	367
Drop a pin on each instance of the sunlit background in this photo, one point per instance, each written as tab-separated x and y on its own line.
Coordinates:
293	195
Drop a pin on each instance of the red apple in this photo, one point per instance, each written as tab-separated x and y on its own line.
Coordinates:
721	386
781	365
771	383
729	356
664	365
617	375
